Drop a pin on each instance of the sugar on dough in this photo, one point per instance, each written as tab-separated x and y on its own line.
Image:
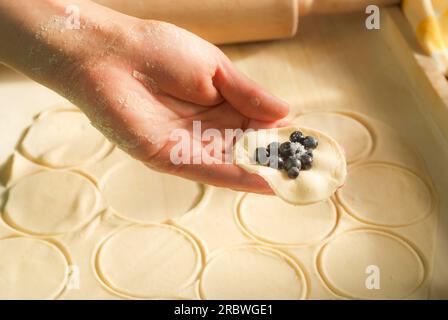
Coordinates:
140	194
271	220
163	260
63	138
314	185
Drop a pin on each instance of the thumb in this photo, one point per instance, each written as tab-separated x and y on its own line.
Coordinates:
246	96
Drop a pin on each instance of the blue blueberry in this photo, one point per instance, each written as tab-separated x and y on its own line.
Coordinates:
293	172
261	155
292	162
287	149
296	136
310	142
273	148
307	161
276	162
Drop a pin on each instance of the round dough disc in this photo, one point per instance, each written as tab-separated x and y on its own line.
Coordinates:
63	139
50	202
140	194
272	220
256	273
31	269
385	194
314	185
151	261
352	262
352	135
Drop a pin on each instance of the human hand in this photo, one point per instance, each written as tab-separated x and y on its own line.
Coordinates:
139	81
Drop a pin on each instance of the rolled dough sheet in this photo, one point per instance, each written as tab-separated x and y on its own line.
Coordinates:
344	261
140	194
256	272
50	202
149	261
314	185
132	233
354	136
198	250
63	138
271	220
31	269
408	197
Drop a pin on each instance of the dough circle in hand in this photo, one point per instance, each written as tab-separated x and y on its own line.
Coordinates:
149	261
269	219
140	194
346	262
385	194
351	134
252	273
314	185
50	202
63	139
31	269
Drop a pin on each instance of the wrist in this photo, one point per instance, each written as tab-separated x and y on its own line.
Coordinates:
47	39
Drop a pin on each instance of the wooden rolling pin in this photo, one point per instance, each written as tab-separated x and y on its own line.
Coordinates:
219	21
229	21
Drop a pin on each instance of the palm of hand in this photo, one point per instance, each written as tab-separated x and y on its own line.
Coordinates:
139	105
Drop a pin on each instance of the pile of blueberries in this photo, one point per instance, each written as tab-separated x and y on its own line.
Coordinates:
293	155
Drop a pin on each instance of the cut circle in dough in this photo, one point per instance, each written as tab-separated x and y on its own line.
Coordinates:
140	194
385	194
252	272
63	139
269	219
350	263
50	202
149	261
314	185
31	269
351	134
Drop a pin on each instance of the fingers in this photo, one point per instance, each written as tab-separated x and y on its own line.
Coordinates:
247	96
225	175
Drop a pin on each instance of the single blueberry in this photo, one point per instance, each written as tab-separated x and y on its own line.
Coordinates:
276	162
292	162
293	172
307	161
261	155
286	149
296	136
310	142
273	148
